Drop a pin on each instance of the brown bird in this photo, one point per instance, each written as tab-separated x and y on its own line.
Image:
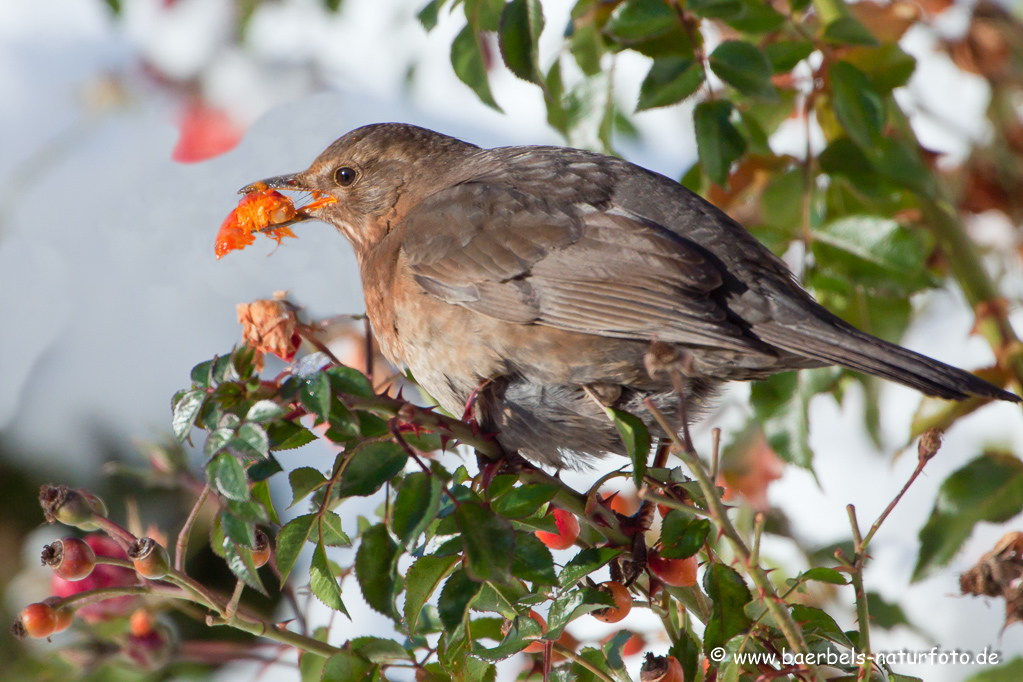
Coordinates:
536	281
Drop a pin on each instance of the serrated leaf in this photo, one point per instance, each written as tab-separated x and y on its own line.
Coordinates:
521	631
532	560
330	531
848	30
525	500
304	480
1011	671
238	530
374	569
743	66
261	493
416	505
989	488
350	381
185	411
467	61
637	20
636	437
886	614
824	575
370	465
781	406
858	107
421	581
586	562
714	9
756	16
429	14
380	650
728	594
201	374
323	583
240	563
454	599
815	621
348	667
521	25
718	142
489	542
784	55
287	435
263	411
227	475
217	441
682	535
315	395
251	441
571	604
669	81
290	540
874	252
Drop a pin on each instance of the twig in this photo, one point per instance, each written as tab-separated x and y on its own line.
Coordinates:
186	530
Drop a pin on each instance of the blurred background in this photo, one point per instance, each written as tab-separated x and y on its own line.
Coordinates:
126	128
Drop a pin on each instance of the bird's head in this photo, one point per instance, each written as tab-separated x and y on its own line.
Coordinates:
374	174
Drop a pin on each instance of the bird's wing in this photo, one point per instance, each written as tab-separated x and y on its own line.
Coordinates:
518	257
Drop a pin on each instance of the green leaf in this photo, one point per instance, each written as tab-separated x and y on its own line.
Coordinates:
718	142
201	374
682	535
217	441
239	560
520	633
369	466
1010	672
251	441
637	20
223	370
532	560
290	540
848	31
315	395
780	403
989	488
756	17
421	581
380	650
669	81
263	411
348	667
521	25
636	438
429	14
525	500
415	506
586	562
571	604
728	594
467	60
310	666
714	9
687	651
287	435
743	66
872	252
858	107
185	410
350	381
323	583
887	65
262	469
261	493
374	569
785	54
825	575
815	621
304	480
330	532
489	542
886	614
454	600
587	47
227	475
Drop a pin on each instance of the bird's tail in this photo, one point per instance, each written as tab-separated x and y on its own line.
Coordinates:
835	342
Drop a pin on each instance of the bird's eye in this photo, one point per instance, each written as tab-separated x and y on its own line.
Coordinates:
344	176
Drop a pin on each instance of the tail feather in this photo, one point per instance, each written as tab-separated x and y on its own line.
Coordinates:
836	342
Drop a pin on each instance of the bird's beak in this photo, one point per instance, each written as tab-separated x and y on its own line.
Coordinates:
292	182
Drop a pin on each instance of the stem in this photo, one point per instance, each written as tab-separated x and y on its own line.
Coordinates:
204	596
309	335
186	530
263	629
232	606
781	615
122	536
